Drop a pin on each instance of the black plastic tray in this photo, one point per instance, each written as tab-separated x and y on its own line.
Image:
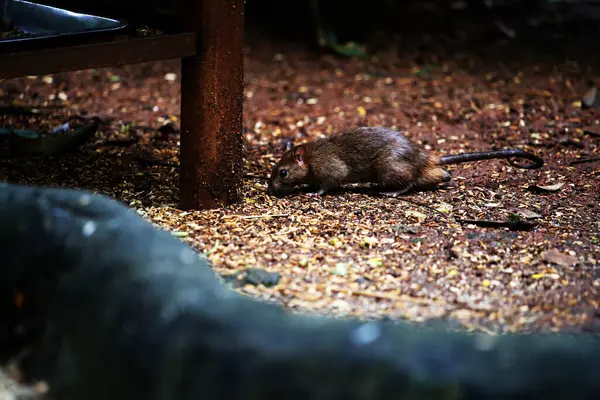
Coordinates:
47	23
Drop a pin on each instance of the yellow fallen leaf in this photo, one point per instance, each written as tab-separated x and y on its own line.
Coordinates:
361	110
485	283
375	262
418	215
213	249
526	259
538	276
303	262
444	208
436	270
341	269
452	273
335	242
369	241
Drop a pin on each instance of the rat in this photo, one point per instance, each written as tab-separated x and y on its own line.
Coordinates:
378	155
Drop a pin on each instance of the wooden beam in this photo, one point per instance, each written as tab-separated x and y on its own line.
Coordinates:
212	90
96	55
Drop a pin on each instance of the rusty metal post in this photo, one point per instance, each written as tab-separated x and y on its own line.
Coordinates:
212	91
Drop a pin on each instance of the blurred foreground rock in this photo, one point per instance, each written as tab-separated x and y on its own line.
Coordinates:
132	312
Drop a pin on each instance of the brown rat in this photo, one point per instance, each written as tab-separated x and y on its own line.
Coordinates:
371	155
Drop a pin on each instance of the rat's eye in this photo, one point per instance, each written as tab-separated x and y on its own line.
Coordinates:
283	173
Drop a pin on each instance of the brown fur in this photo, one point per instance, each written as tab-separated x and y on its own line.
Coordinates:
361	155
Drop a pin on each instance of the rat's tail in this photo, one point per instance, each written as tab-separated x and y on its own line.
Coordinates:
490	155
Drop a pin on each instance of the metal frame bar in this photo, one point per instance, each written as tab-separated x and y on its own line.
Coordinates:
212	53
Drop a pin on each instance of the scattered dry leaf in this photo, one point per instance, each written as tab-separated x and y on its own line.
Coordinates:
528	214
557	257
551	188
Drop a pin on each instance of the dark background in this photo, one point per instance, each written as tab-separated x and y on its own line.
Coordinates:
565	29
352	19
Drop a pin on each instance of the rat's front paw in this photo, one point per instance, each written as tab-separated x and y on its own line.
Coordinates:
314	194
320	192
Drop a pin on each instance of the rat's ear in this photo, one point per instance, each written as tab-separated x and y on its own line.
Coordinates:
288	145
300	155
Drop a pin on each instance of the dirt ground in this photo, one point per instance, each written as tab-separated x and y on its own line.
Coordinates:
354	253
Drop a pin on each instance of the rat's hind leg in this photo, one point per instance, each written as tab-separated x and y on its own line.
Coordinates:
433	176
396	181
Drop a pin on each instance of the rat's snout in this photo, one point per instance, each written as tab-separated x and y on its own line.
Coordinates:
275	188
